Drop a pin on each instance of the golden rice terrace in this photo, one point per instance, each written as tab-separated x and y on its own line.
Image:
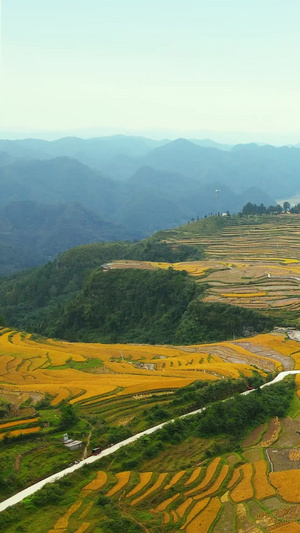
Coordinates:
255	490
80	372
252	262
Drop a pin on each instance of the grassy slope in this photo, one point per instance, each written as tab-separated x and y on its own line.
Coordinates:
109	514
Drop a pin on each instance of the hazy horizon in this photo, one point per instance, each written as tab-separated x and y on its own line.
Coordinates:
229	138
217	69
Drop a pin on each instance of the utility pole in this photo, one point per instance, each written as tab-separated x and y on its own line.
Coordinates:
217	191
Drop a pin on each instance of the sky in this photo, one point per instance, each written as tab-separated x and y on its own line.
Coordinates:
224	69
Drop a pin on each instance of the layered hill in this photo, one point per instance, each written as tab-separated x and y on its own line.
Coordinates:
250	262
32	233
139	184
64	179
233	464
273	169
149	200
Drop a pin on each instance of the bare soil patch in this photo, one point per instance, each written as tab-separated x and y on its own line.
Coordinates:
281	461
275	503
225	524
18	462
264	351
271	435
243	522
288	436
253	454
261	518
254	436
289	513
231	460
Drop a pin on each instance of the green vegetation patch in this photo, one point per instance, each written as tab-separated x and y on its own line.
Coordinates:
89	365
141	306
190	441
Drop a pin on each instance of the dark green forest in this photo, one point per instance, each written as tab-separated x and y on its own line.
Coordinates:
157	307
73	298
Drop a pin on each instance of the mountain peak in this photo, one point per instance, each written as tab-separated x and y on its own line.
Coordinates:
182	142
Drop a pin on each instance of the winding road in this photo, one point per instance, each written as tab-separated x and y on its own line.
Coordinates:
13	500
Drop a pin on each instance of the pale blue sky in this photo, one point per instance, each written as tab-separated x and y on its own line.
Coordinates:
225	67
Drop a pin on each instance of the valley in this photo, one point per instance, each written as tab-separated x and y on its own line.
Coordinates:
149	267
229	468
72	191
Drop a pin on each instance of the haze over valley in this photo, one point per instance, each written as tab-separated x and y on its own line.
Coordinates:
75	191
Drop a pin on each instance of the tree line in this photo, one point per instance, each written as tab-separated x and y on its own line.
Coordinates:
254	209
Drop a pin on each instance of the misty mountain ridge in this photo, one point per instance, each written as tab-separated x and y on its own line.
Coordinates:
92	152
212	144
143	186
274	169
63	180
33	233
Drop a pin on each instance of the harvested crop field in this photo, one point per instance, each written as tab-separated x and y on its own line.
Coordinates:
240	265
262	284
255	436
79	372
205	507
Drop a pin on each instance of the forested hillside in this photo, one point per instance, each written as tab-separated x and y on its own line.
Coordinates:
32	233
74	298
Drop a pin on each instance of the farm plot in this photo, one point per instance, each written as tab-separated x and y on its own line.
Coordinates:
20	422
254	436
194	268
271	434
244	489
254	283
262	487
254	263
245	237
17	432
289	433
251	501
79	372
287	484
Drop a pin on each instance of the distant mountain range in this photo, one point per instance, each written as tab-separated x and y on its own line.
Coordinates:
273	169
128	187
151	199
33	233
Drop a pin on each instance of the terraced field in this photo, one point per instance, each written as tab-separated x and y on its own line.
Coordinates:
114	387
262	259
253	490
250	238
239	492
84	373
264	283
250	263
